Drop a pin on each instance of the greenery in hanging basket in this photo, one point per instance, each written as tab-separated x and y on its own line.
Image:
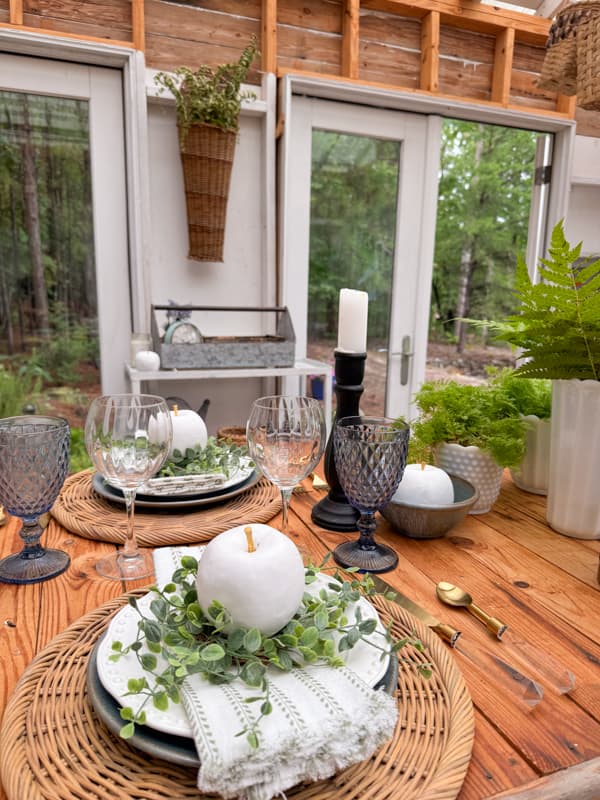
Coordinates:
210	95
558	324
484	416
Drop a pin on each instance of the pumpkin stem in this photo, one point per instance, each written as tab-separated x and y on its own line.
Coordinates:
249	539
176	410
423	466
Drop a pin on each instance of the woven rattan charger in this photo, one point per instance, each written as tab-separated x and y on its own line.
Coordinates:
80	510
55	748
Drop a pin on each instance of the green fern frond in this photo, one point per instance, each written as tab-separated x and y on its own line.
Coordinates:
558	325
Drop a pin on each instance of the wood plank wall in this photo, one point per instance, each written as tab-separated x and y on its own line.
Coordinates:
447	47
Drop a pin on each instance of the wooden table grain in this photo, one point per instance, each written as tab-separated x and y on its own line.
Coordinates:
542	584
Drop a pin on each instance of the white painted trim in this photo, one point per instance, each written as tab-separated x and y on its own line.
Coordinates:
399	100
131	62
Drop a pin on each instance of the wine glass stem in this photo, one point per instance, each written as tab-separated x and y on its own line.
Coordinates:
286	495
366	526
130	549
30	533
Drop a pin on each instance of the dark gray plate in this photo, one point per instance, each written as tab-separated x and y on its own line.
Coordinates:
176	749
174	502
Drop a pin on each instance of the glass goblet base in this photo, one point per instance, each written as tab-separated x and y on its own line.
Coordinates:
376	558
20	569
121	567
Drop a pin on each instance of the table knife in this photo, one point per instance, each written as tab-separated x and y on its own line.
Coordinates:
448	633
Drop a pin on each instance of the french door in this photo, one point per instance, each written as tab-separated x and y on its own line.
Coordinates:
85	105
358	210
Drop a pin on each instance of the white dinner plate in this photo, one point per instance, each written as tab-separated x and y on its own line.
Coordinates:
363	659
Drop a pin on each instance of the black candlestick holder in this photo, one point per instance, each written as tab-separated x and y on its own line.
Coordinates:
334	512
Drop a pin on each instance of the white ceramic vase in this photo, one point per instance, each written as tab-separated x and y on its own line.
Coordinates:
474	466
573	506
532	473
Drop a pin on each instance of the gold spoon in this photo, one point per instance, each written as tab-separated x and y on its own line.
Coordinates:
454	596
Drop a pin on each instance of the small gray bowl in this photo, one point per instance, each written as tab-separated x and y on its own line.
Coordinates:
432	522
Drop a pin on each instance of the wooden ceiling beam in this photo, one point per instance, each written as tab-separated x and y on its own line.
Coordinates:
470	15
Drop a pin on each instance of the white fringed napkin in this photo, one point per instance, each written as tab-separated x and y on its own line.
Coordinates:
323	720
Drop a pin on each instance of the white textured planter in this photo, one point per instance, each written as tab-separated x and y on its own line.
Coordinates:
533	472
573	506
474	466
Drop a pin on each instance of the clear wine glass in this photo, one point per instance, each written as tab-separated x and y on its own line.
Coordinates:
128	437
286	437
34	461
370	456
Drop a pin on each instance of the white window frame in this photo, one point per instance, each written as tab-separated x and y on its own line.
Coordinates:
131	63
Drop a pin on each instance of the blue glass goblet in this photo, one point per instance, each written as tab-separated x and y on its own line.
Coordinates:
34	461
370	456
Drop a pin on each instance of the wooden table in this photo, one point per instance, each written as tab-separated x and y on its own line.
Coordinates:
542	584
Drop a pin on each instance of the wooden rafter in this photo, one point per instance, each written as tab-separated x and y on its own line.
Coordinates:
503	62
430	51
138	32
15	12
269	36
350	37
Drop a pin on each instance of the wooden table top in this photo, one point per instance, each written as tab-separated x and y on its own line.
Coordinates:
542	584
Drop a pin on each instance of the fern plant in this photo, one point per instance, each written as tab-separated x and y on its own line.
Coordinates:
484	416
558	326
210	95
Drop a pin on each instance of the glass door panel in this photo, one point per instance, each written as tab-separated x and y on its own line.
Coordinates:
354	189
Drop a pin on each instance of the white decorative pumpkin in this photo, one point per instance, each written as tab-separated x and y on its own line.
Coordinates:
189	431
424	485
262	588
147	360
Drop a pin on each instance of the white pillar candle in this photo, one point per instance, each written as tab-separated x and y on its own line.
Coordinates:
424	485
256	573
352	321
189	430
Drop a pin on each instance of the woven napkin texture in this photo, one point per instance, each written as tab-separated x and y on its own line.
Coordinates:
323	720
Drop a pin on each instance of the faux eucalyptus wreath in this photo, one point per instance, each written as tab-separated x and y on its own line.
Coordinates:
190	640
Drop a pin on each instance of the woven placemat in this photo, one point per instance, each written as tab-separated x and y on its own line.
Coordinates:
80	510
55	748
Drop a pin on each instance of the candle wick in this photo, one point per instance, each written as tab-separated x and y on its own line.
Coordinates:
249	539
176	410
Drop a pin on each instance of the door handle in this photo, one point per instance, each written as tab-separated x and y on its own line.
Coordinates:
405	356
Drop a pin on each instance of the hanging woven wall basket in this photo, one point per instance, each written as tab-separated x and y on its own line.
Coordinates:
207	157
572	60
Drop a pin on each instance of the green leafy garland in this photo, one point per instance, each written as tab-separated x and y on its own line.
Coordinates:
213	457
210	95
192	641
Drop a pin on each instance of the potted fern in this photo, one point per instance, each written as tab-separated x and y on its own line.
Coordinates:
469	431
558	329
208	103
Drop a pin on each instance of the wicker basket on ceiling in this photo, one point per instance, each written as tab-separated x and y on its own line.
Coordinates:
207	158
570	57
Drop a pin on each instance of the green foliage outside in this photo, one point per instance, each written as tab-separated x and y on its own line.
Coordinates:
558	324
484	416
353	213
210	94
79	456
16	390
485	186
